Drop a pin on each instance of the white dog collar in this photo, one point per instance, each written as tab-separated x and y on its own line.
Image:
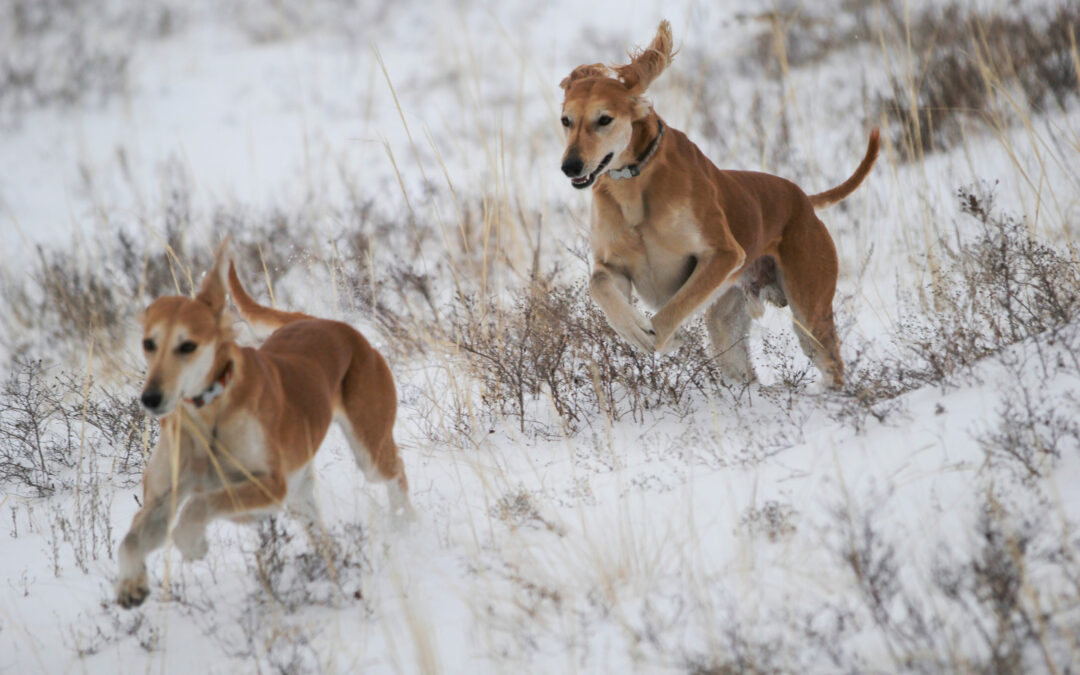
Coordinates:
214	390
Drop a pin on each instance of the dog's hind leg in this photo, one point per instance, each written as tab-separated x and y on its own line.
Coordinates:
809	283
382	466
397	485
728	321
302	503
368	422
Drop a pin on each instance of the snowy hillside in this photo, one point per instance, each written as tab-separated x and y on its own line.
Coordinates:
582	507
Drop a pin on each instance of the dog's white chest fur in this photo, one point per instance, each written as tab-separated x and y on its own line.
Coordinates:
662	269
240	446
658	258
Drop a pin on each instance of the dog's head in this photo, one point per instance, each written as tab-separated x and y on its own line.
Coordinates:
181	339
601	105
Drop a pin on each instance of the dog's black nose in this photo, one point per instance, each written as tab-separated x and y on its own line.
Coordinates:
151	399
572	166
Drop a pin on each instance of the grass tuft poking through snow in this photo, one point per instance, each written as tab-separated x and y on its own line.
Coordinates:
583	507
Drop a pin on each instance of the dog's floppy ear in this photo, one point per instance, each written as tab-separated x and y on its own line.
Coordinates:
642	106
647	64
581	72
212	290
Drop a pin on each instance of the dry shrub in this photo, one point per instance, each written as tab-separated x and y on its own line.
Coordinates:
1001	285
36	436
1035	425
997	285
46	417
67	53
968	64
985	597
772	519
323	568
795	36
982	67
554	343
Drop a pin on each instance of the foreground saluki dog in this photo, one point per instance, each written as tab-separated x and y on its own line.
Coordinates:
685	235
240	426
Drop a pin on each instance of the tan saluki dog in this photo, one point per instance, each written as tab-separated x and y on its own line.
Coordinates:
685	235
240	426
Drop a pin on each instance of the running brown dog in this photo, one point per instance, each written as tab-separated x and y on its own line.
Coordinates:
685	235
240	426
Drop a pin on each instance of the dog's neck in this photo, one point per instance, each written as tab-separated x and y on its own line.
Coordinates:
644	143
224	372
646	130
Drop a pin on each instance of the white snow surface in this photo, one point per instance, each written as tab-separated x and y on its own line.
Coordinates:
628	547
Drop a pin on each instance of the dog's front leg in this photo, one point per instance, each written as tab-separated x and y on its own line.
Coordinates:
151	523
710	276
261	491
147	533
610	290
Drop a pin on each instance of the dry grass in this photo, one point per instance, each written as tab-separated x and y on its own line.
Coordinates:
506	340
553	346
975	70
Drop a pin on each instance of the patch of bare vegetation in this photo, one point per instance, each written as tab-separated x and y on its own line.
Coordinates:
50	420
959	67
300	569
1036	428
67	53
994	284
552	345
263	22
990	68
997	605
774	520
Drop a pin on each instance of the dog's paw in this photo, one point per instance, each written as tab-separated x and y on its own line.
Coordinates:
403	518
669	346
664	340
638	331
131	592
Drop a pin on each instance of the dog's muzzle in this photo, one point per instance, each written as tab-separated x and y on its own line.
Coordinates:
582	182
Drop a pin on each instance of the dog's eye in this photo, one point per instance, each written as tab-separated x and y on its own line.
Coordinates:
148	345
604	120
186	347
566	121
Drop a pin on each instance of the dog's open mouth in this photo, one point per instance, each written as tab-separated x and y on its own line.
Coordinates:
585	181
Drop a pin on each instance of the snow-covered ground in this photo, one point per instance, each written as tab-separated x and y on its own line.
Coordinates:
389	157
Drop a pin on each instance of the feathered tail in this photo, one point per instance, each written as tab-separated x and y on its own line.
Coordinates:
830	197
257	314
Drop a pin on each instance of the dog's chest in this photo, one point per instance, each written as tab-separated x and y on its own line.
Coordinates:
662	268
240	445
658	257
633	210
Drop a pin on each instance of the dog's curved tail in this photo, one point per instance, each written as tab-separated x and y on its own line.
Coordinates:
256	314
841	191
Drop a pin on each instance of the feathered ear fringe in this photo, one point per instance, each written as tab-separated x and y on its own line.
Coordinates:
581	72
641	106
647	64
